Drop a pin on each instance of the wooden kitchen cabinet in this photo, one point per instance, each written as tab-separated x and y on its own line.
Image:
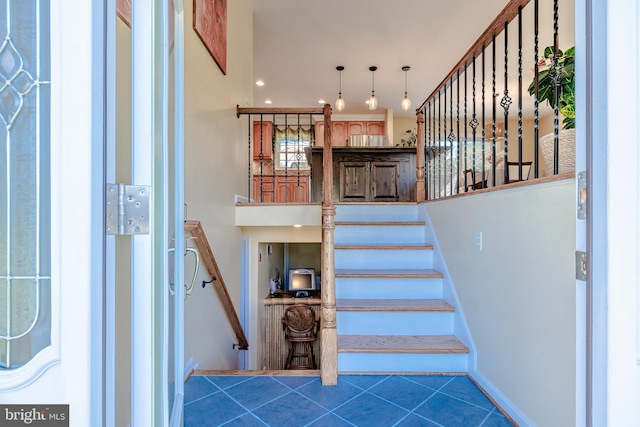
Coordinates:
367	174
339	134
263	189
356	128
342	130
262	140
384	181
281	189
375	128
292	189
319	134
354	181
373	181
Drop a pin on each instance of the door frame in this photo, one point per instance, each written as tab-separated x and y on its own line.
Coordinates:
613	199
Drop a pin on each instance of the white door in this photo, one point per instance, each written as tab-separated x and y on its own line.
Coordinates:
57	141
51	210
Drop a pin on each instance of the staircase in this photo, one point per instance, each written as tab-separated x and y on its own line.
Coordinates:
391	314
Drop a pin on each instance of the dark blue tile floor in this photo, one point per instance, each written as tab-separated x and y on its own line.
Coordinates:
357	400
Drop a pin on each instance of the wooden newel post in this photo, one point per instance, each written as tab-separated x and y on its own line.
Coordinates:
420	187
329	334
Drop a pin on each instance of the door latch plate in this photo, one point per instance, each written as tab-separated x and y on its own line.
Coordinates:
581	265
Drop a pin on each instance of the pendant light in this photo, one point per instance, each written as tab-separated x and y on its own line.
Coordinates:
373	101
340	101
406	102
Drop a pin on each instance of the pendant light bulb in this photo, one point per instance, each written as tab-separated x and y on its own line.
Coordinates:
373	101
406	102
340	102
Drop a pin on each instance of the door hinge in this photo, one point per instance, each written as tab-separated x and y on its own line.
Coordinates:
581	265
127	209
582	195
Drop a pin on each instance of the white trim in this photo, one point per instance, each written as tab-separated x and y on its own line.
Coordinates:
500	399
142	375
188	368
176	413
461	326
245	273
14	379
613	206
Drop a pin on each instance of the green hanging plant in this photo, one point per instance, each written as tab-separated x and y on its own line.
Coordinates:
562	70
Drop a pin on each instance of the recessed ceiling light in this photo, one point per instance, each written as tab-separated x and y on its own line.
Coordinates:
297	225
321	101
268	101
259	83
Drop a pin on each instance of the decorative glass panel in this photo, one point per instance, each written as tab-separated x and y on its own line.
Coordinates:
25	246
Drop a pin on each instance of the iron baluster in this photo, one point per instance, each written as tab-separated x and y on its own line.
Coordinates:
556	90
520	93
494	113
536	102
466	127
473	124
506	102
458	125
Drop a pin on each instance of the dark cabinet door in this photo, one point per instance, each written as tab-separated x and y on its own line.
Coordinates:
354	181
384	182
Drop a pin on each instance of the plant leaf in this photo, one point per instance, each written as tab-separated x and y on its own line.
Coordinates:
569	111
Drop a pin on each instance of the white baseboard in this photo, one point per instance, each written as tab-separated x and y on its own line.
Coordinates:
190	367
501	400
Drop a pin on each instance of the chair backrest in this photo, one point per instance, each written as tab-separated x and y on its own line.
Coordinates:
514	168
468	176
299	320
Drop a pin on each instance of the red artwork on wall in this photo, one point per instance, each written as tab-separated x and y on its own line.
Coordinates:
210	23
123	10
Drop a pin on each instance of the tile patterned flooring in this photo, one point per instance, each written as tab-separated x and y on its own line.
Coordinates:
357	400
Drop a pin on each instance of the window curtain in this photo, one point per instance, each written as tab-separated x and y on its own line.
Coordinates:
293	133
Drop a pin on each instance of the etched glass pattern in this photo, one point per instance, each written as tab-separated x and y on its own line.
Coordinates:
25	246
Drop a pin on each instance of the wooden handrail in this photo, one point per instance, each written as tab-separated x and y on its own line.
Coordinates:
507	14
194	229
278	110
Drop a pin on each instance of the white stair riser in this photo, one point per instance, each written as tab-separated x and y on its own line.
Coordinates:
393	362
353	234
394	323
388	288
378	212
378	258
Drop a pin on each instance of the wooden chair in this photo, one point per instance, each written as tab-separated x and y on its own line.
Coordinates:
469	177
514	168
300	329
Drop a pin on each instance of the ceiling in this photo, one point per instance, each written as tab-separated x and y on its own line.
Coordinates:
299	43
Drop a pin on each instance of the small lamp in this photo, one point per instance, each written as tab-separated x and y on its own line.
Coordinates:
340	102
406	102
373	101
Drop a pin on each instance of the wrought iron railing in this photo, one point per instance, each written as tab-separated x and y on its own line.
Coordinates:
279	163
479	129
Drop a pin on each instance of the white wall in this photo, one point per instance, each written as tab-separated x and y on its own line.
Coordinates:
518	293
216	170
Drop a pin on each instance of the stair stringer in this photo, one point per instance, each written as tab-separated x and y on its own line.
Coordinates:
461	327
